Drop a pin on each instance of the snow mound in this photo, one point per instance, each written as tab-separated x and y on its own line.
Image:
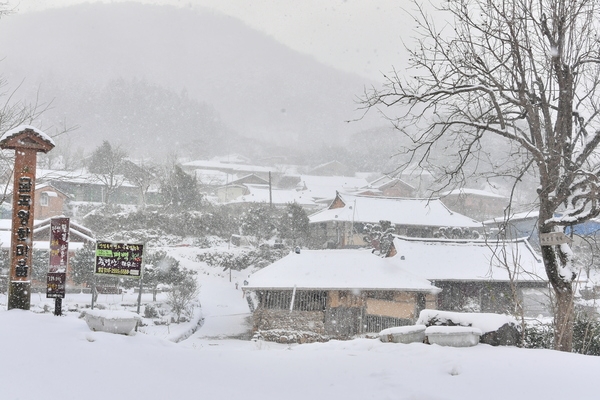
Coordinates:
486	322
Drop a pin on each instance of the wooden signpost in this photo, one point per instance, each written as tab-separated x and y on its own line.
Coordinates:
554	239
26	141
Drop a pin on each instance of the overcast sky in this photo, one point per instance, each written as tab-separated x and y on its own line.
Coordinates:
361	36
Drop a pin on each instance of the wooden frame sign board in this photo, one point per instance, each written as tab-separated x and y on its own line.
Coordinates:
119	259
59	254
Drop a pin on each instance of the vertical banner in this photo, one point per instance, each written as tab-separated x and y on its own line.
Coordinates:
59	257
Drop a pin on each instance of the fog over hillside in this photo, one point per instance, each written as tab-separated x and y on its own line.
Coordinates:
133	73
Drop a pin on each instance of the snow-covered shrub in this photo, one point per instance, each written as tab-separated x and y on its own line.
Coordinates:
539	335
456	233
150	311
182	295
240	260
586	335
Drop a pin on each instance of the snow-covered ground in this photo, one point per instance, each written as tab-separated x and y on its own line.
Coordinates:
48	357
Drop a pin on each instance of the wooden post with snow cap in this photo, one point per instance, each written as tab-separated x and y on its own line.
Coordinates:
26	141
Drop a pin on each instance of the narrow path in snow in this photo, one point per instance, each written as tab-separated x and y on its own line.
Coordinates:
224	307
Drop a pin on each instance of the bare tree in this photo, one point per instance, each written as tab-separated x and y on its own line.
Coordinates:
525	71
142	174
106	163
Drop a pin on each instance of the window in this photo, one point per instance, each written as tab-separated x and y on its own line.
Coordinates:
44	199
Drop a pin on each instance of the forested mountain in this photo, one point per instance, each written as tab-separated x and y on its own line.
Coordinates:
136	73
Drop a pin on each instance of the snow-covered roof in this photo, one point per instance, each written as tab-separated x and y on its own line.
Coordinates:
325	187
15	131
5	237
514	217
476	192
213	177
52	193
76	176
444	259
399	211
222	166
41	224
76	228
250	179
386	180
231	158
260	194
348	269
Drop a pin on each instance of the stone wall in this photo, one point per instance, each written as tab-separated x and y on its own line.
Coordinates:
312	321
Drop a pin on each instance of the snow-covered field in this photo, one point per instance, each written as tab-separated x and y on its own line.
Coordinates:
48	357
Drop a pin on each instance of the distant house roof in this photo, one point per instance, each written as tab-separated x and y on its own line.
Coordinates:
386	181
325	187
350	269
225	167
78	234
261	194
331	168
77	177
522	216
211	177
75	229
399	211
474	192
46	185
464	260
250	179
231	158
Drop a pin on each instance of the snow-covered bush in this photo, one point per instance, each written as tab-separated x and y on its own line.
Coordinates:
150	311
456	233
586	335
159	269
240	260
183	294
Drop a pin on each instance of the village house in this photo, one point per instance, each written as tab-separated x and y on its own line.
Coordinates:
478	275
342	223
237	188
515	226
331	168
49	201
337	293
478	204
82	186
234	171
388	187
263	194
324	188
348	292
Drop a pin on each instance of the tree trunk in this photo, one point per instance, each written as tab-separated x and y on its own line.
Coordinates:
554	262
563	319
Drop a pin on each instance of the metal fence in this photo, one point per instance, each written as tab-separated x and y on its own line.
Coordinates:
304	300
